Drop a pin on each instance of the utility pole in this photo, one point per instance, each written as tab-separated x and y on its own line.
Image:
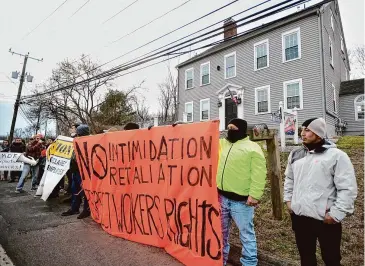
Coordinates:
17	101
39	117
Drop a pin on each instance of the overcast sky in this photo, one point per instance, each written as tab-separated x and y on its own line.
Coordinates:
66	36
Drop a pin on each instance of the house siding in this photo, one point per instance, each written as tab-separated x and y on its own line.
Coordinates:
347	111
308	68
333	75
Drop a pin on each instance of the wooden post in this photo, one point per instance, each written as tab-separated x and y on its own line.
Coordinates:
274	173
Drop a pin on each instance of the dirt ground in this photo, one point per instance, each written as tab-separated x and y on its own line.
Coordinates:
276	239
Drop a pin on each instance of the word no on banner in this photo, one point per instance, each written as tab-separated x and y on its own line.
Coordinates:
157	187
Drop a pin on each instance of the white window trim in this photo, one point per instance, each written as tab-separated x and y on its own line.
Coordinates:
283	44
235	65
285	83
355	105
201	73
335	109
330	45
332	23
268	54
192	111
201	104
269	100
342	45
186	78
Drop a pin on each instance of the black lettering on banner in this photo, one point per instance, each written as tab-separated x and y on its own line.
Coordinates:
158	214
141	171
144	149
172	146
133	214
182	148
152	145
176	223
122	145
110	223
181	226
171	168
151	174
84	161
207	177
121	177
192	155
203	207
129	151
207	149
141	212
168	213
191	183
103	155
161	175
136	149
118	217
149	207
136	175
163	148
114	152
219	253
124	196
113	173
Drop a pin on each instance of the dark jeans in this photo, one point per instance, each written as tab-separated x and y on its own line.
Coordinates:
307	231
6	173
69	180
78	194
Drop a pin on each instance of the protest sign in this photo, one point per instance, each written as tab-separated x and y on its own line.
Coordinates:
157	187
58	158
9	161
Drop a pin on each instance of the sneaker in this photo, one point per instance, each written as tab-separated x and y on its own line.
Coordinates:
33	189
69	212
84	214
18	191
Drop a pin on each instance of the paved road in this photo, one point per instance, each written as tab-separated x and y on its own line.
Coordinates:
32	232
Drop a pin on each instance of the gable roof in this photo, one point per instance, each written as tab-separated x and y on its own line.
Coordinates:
256	31
352	87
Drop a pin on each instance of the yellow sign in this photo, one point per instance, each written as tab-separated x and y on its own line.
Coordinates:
60	148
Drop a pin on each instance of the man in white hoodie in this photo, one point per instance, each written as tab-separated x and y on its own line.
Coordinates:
320	190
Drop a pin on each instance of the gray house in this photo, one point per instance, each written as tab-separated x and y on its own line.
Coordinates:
300	59
352	106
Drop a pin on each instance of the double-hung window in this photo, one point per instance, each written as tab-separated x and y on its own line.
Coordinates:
189	78
230	65
261	53
293	94
204	109
205	73
189	108
331	51
334	98
262	100
291	45
360	107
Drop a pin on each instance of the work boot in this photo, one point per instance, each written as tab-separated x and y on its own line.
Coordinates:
84	214
69	212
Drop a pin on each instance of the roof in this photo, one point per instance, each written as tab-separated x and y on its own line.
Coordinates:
352	87
256	31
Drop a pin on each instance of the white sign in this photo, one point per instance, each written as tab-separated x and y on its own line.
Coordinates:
10	161
58	160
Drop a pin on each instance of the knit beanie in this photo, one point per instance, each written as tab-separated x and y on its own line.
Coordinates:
83	130
317	126
131	126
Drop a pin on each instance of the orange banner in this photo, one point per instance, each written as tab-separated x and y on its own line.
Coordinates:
157	187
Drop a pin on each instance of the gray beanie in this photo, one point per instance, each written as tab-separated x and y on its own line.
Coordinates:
317	126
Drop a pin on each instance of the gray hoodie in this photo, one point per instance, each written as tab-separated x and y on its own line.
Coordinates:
320	181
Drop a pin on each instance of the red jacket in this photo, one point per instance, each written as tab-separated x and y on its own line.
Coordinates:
34	149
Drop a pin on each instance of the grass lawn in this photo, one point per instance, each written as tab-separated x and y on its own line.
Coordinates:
275	238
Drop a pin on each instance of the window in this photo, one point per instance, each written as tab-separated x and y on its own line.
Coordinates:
230	65
334	98
205	73
293	94
332	24
189	111
331	52
204	109
261	52
262	100
347	78
291	45
360	107
189	78
342	45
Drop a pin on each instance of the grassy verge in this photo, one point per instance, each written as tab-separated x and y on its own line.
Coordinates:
276	237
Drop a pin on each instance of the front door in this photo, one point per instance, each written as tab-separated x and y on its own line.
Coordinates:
231	110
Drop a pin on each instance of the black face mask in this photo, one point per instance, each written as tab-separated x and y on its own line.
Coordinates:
235	135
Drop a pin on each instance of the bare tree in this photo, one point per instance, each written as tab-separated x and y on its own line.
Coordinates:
357	60
168	98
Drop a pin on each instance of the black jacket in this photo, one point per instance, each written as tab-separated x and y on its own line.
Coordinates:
17	147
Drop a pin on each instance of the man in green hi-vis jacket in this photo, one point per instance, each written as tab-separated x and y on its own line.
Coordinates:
241	179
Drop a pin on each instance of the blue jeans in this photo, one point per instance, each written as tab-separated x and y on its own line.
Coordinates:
78	194
242	215
26	169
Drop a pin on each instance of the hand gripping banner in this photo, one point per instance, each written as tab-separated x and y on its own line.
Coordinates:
157	187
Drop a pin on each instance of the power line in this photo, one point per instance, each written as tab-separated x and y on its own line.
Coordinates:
54	11
142	61
120	11
81	7
148	23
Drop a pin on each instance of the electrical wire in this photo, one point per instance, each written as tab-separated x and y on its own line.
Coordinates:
54	11
120	11
81	7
